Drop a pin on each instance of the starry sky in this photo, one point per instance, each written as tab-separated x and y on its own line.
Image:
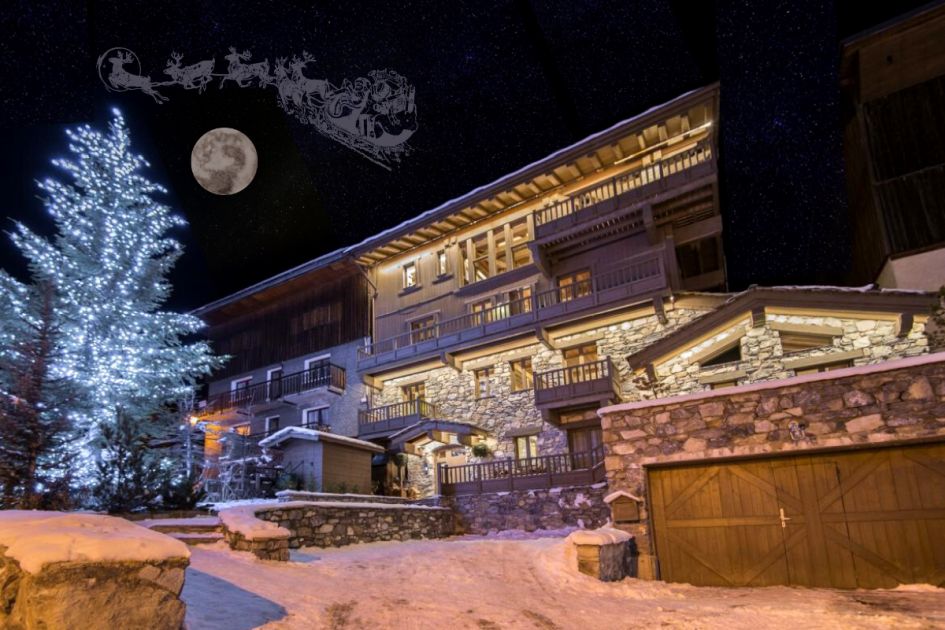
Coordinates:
498	85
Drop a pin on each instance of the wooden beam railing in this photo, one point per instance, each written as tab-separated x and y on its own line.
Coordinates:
321	375
418	408
587	372
642	267
636	180
544	471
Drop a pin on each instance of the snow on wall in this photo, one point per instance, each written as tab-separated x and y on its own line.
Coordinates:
35	539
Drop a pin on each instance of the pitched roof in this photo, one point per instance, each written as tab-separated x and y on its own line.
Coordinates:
301	433
866	298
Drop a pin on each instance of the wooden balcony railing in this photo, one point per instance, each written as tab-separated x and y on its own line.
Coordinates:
323	375
635	275
501	475
563	386
394	417
632	184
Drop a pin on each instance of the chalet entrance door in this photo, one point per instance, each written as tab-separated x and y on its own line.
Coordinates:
859	519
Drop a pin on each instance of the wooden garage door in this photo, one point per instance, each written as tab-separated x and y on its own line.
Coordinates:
870	519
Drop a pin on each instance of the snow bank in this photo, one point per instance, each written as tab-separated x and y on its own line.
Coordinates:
35	539
613	496
243	520
602	536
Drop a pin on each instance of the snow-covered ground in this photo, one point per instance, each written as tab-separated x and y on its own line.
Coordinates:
505	582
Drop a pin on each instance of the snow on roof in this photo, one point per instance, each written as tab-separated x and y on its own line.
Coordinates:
243	520
613	496
603	536
36	538
857	370
301	433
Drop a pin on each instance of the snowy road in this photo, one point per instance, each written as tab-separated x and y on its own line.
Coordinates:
489	583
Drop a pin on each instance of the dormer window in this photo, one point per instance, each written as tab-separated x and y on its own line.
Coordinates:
410	275
731	354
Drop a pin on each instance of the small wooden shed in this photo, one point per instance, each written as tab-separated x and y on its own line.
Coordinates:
324	461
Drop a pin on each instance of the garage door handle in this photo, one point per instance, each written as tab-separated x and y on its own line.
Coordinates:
784	519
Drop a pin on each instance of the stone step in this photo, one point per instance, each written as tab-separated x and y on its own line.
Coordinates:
196	539
187	529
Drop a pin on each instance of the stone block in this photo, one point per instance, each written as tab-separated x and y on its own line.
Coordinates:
864	424
857	398
920	389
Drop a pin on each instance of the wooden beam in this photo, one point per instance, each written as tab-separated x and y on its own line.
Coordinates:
758	317
544	338
904	323
449	360
372	382
658	309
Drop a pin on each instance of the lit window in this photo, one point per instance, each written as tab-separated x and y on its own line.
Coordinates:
242	429
414	391
483	257
501	248
313	418
521	255
483	382
522	377
441	263
526	446
423	329
574	285
798	342
826	367
410	275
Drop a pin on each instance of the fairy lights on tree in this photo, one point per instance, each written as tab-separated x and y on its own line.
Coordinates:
107	265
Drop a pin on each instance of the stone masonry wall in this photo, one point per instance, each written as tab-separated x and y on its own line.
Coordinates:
339	524
763	357
890	403
529	510
454	393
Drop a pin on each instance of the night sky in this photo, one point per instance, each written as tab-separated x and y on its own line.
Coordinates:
498	85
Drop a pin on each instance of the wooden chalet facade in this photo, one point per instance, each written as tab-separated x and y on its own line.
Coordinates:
893	90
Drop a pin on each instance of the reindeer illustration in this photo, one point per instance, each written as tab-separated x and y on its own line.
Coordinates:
121	79
195	76
243	73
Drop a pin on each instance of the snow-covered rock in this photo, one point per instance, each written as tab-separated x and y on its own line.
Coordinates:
63	570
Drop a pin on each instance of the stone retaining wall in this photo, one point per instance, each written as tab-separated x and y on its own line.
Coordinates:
263	548
93	595
299	495
529	510
336	525
897	402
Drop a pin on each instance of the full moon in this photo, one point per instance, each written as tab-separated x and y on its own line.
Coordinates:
224	161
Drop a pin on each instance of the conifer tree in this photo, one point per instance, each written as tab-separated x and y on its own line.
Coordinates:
107	266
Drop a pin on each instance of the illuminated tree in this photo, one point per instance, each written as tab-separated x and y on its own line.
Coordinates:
107	265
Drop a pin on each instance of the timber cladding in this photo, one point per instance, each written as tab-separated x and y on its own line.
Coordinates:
347	467
852	460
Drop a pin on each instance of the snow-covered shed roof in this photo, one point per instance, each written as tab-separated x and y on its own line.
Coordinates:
301	433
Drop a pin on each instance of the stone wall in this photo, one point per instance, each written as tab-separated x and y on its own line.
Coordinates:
763	358
93	595
454	394
298	495
337	524
878	404
529	510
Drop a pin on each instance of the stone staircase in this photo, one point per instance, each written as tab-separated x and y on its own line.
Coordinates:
200	530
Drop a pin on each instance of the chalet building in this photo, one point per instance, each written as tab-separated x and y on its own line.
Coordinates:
792	435
292	342
502	316
893	89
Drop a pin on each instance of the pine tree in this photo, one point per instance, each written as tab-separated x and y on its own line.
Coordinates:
34	429
107	265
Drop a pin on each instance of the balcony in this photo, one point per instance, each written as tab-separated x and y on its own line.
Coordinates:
634	278
503	475
569	387
382	421
328	375
617	200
